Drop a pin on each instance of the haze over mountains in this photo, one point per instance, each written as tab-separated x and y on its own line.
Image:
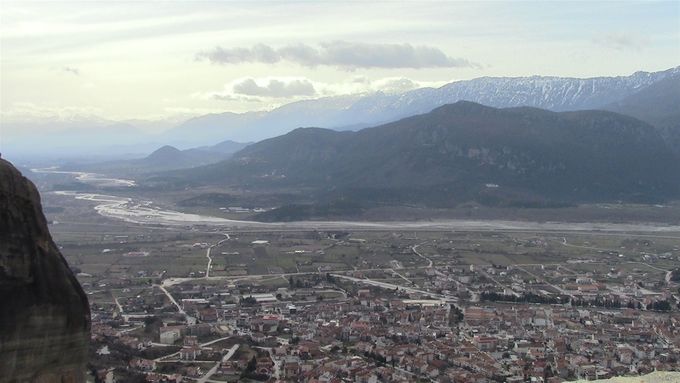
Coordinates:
165	158
440	156
353	112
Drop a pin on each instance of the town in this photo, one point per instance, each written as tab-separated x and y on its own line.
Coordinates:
206	304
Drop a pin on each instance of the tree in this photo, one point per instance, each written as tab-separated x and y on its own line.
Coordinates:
252	365
659	306
248	301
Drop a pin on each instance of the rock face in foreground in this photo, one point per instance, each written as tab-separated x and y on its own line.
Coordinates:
44	313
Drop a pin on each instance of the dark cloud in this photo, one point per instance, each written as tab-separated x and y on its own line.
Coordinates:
343	54
275	88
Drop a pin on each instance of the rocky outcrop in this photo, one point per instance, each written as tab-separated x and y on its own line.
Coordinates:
44	313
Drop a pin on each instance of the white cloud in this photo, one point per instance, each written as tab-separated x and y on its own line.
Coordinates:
276	88
622	41
342	54
396	85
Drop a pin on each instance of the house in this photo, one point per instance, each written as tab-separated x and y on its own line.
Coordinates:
143	364
190	340
208	314
264	365
190	352
291	370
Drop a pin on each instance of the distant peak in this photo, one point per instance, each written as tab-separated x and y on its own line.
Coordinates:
167	149
164	152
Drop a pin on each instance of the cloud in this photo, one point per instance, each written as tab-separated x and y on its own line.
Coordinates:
396	85
622	41
275	88
72	70
342	54
232	97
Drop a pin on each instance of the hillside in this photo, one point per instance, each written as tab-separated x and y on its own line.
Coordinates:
657	104
463	152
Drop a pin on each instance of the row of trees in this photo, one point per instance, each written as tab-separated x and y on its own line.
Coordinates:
524	298
599	301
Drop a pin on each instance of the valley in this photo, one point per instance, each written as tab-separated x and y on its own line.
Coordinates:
339	191
308	291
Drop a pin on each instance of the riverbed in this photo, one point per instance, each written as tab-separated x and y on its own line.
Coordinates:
146	212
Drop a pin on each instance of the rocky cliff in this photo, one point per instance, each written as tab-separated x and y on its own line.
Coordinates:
44	313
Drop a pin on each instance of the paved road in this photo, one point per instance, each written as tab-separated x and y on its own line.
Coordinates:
391	286
410	282
168	282
487	275
542	280
202	345
225	358
207	253
564	242
179	308
207	269
120	308
414	248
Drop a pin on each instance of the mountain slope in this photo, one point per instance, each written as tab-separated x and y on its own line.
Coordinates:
462	152
657	104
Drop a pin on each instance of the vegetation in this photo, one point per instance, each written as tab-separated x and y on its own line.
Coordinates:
517	157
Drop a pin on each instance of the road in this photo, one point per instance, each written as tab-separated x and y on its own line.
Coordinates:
174	302
128	330
542	280
564	242
487	275
391	286
207	254
120	308
169	282
207	269
213	370
415	247
277	362
410	282
160	359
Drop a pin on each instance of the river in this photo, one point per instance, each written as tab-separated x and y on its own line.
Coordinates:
145	212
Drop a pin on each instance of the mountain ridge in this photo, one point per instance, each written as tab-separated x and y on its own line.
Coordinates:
545	92
463	152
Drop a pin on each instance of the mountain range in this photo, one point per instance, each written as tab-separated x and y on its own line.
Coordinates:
658	104
460	153
164	158
125	139
359	111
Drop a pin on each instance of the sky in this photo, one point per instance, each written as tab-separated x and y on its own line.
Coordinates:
166	60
